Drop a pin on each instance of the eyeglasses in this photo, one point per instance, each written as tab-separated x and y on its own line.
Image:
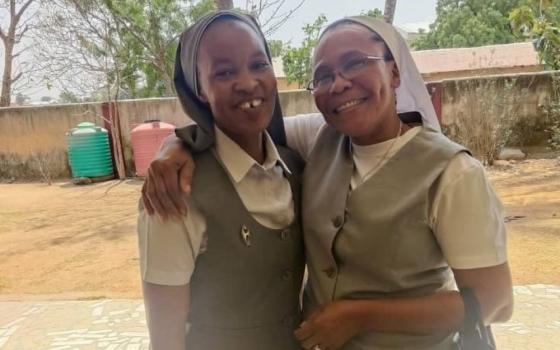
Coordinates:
348	71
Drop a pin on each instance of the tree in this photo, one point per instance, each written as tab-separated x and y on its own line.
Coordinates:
21	98
224	4
468	23
199	9
133	42
276	47
540	21
389	14
82	54
128	46
68	97
152	28
375	13
271	13
297	61
11	36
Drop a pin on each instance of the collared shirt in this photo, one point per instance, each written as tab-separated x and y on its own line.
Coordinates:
168	250
466	215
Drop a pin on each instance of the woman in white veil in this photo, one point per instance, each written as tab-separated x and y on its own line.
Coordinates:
396	215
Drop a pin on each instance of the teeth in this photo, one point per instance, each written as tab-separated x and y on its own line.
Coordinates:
348	105
251	104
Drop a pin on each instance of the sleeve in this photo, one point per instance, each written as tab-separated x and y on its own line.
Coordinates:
168	250
468	217
302	131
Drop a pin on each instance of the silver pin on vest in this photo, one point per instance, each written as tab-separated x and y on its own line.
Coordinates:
246	235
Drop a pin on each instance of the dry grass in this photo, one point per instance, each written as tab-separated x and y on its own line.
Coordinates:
66	241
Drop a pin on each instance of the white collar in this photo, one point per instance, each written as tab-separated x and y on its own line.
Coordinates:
376	150
238	163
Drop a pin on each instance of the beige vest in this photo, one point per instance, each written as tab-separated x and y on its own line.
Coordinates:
375	242
246	285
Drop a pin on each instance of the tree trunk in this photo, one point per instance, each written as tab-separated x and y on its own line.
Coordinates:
9	40
6	97
389	13
224	4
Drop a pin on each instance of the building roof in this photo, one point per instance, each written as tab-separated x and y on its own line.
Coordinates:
476	58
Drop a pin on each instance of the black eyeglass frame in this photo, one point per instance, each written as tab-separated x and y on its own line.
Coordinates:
311	86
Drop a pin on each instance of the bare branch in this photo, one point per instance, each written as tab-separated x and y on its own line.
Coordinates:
17	77
19	36
283	18
271	13
12	8
22	10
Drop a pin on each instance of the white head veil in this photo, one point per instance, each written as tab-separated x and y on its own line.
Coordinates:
412	95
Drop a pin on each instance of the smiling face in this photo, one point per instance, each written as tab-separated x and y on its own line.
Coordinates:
236	78
362	107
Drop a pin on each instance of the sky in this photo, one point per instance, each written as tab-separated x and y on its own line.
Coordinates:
409	13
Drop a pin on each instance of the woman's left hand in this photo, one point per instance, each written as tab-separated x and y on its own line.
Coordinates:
330	327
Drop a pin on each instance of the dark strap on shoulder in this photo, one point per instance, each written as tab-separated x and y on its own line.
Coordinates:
474	335
411	117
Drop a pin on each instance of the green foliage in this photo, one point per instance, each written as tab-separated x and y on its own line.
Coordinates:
297	61
469	23
21	98
276	47
554	141
552	112
147	32
200	8
375	13
540	21
485	122
68	97
138	38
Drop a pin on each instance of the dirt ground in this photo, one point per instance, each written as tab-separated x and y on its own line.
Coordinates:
67	241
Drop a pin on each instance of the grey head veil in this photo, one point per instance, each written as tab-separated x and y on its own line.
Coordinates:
412	95
200	137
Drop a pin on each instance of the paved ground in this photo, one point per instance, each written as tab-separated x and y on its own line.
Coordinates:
120	324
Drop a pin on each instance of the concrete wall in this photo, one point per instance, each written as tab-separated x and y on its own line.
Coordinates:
513	100
284	85
297	102
32	139
135	112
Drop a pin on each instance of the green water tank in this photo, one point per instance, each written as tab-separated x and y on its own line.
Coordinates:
89	153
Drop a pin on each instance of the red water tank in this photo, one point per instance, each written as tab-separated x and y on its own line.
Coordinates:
146	139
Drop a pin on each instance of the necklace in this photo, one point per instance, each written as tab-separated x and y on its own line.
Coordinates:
382	160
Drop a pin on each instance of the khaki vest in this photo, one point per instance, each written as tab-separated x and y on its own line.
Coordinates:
375	242
245	288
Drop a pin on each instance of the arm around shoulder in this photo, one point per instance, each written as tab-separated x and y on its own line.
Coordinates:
168	180
302	131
